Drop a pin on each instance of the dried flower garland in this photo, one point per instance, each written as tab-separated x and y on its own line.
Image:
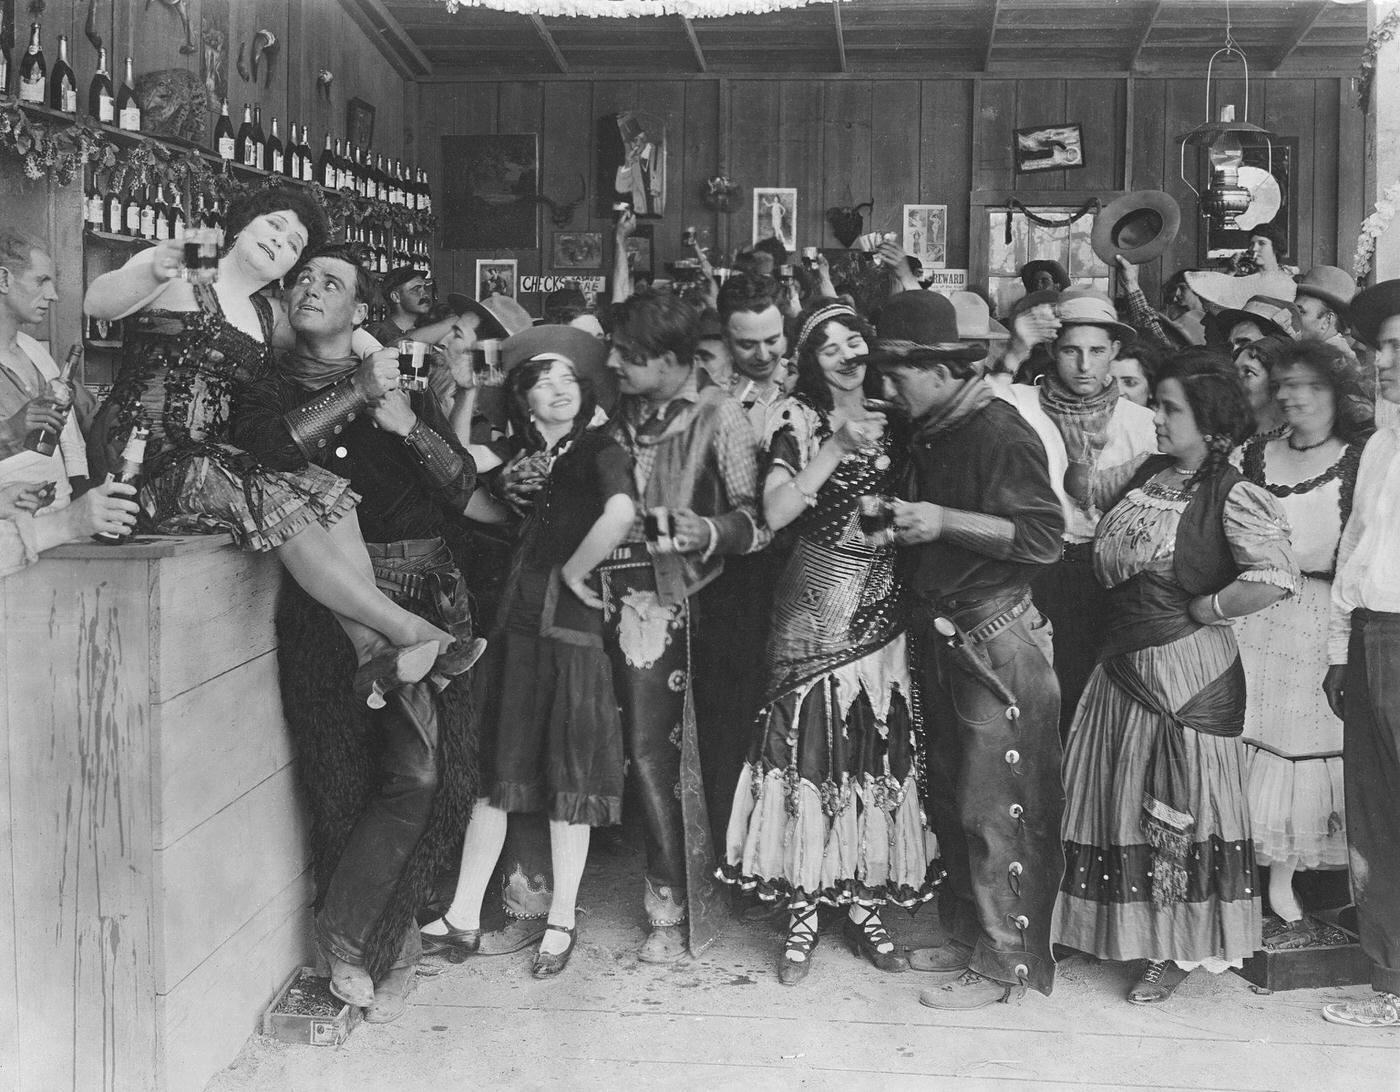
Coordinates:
56	151
1385	31
1372	228
627	9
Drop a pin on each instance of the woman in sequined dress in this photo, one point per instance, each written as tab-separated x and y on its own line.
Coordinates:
827	807
1159	854
188	348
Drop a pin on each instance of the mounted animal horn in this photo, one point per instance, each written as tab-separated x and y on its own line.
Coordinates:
561	213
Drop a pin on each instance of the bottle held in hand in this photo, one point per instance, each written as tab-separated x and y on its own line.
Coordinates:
128	473
44	440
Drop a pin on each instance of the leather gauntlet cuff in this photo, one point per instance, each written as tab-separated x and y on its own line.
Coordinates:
991	536
443	465
315	423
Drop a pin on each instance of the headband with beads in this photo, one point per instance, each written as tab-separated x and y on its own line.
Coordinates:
817	317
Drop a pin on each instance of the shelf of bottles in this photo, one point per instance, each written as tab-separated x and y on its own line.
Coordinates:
380	203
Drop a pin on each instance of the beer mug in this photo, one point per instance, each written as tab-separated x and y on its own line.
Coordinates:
876	519
809	257
413	365
486	362
659	529
201	254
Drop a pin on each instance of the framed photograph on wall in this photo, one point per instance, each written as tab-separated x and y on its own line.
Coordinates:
490	186
496	277
1049	148
1269	180
632	163
578	250
775	216
359	122
926	234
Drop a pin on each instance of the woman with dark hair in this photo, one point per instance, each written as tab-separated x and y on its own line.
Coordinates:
188	350
1160	861
1293	743
1267	248
1252	364
553	741
1136	370
827	807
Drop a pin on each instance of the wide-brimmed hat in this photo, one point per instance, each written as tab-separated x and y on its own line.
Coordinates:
975	322
1139	226
1218	291
1330	284
509	314
588	355
1057	272
1085	307
1371	308
919	324
1187	329
489	326
1273	316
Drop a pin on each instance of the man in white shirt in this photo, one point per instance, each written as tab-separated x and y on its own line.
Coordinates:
1363	681
27	288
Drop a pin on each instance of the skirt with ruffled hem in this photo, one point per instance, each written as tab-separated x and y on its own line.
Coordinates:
1297	808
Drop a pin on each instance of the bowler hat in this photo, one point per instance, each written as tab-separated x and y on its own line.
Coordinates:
1139	226
1369	309
1085	307
588	355
920	323
1273	316
1333	286
489	326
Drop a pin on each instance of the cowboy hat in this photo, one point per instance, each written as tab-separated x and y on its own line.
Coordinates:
588	355
916	324
1369	309
1085	307
489	326
1333	286
975	322
509	313
1273	316
1139	226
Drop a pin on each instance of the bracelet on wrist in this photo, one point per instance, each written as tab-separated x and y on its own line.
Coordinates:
809	499
1215	608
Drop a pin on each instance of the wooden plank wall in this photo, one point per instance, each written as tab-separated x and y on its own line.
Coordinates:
899	141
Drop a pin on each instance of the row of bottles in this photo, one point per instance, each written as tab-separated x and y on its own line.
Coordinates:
58	89
384	250
142	212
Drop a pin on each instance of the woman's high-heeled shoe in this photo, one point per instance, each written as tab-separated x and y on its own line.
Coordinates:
393	668
549	964
801	940
866	940
455	944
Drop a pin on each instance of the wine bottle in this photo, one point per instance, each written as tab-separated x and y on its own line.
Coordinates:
101	102
243	143
259	140
308	164
128	473
274	154
4	70
160	216
292	166
147	215
128	109
177	220
427	192
33	70
114	218
131	215
94	208
63	84
224	142
325	166
342	176
45	439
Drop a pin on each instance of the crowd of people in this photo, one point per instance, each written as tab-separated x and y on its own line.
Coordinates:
1070	622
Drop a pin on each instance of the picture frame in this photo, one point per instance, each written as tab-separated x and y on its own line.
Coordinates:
631	163
640	251
497	276
775	216
1224	244
359	122
926	234
490	192
577	250
1050	148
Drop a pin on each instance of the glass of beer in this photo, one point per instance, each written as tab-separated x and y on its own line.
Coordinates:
201	254
413	365
486	362
876	519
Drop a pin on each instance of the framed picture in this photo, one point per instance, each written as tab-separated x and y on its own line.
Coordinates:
578	250
926	234
496	277
775	216
1269	180
359	122
639	250
632	163
1049	148
490	191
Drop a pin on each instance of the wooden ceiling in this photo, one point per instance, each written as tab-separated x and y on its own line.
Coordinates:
876	37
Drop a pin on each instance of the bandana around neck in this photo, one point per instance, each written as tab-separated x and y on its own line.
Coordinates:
1083	422
313	372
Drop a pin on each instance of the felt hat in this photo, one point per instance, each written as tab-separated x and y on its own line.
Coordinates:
509	314
1139	226
975	322
588	355
489	326
397	277
1187	329
919	324
1044	265
1369	309
1085	307
1330	284
1273	316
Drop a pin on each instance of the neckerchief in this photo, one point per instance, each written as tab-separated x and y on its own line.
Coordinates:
971	397
314	372
1083	422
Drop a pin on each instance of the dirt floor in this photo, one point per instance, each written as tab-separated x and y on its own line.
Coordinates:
723	1022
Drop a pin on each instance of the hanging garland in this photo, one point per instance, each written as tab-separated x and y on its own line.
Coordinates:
57	151
628	9
1014	206
1372	228
1385	31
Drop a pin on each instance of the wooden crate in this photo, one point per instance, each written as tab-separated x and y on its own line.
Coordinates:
291	1027
1309	968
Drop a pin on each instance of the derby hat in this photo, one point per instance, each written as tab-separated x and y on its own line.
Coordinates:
1139	226
920	324
588	355
489	326
1273	316
1369	309
1085	307
1330	284
975	322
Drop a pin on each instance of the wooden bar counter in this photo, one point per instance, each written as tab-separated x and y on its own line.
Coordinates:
154	888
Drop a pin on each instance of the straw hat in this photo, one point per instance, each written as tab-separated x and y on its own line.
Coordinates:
1273	316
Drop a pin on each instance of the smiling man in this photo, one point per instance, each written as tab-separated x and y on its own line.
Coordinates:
389	790
752	327
1106	438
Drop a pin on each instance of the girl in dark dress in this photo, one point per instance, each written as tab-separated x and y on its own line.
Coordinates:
554	736
188	349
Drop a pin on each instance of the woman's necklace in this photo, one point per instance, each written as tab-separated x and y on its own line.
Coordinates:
1307	447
